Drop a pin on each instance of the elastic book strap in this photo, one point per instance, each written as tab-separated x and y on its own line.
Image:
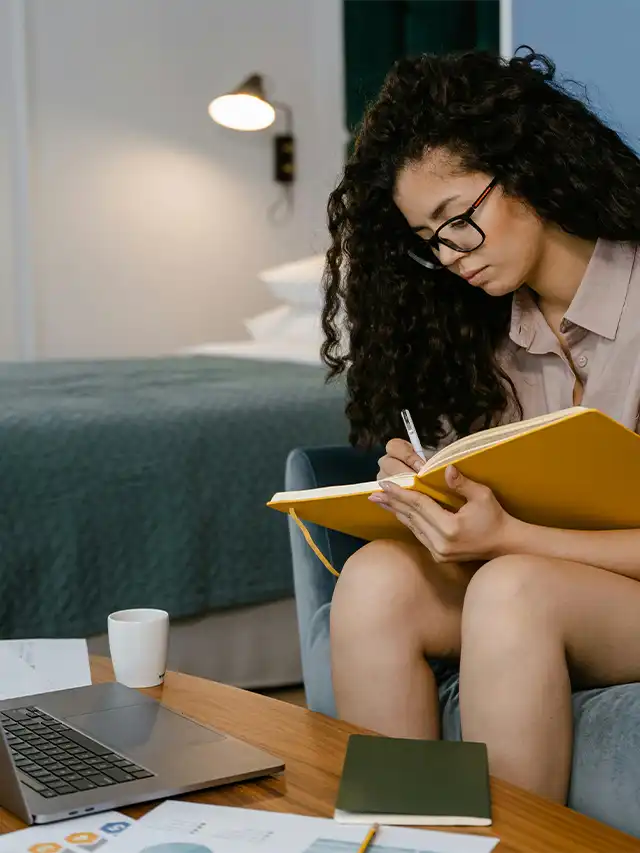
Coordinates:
312	544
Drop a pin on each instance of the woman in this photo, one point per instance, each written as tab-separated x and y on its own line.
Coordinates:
484	255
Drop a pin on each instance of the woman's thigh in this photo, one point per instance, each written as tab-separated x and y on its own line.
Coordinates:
396	585
601	619
596	612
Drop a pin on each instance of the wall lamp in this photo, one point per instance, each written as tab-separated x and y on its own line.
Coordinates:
247	108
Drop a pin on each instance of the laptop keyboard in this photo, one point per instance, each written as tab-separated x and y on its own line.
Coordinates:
54	759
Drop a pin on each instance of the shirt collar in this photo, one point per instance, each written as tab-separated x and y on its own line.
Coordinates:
528	327
597	305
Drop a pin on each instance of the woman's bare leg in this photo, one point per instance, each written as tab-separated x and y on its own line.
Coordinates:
392	608
531	626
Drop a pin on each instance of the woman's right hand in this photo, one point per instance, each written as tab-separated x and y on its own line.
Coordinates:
400	458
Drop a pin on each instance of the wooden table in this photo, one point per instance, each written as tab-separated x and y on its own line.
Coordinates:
313	747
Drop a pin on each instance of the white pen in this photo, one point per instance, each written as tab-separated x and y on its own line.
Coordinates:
413	435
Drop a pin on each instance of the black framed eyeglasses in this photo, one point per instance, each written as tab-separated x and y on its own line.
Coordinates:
459	233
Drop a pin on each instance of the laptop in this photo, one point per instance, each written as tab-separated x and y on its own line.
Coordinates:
89	749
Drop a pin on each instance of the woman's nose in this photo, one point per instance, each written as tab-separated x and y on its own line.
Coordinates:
448	256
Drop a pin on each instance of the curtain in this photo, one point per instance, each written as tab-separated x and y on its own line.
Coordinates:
377	32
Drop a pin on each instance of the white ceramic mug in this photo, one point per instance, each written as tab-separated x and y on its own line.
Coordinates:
139	642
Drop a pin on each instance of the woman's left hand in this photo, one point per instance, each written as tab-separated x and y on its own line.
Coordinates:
477	531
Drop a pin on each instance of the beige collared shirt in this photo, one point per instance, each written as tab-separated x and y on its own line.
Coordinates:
602	331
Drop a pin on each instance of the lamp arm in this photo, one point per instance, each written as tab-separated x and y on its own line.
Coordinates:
286	109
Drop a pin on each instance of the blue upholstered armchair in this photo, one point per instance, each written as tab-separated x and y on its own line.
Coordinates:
605	781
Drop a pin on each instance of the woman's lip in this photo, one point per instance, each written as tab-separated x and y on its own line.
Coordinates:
474	278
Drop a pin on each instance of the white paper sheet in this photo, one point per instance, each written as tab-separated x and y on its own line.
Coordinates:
86	834
180	827
39	666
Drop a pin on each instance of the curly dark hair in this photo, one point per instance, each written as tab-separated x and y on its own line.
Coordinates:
414	340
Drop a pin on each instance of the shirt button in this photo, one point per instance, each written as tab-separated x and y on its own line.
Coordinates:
583	361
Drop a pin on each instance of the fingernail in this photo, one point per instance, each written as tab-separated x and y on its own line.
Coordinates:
418	465
379	500
385	486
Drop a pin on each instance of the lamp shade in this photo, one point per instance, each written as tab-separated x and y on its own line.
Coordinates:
246	108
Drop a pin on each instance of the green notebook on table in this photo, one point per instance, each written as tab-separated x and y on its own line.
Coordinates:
414	782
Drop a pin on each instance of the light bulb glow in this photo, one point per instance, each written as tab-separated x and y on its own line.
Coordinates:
242	112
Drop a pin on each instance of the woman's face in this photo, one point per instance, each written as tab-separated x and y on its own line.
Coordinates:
435	189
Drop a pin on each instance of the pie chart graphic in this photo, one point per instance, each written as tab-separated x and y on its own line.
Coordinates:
177	847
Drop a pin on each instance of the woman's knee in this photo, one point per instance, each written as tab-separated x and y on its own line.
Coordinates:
380	580
505	592
394	589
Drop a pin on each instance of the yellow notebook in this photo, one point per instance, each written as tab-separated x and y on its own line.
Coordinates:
575	469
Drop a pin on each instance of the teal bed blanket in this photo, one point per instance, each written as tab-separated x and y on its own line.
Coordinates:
143	483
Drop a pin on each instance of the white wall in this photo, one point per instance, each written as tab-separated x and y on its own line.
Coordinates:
149	222
8	337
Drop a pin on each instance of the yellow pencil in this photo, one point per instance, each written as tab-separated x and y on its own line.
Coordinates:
368	838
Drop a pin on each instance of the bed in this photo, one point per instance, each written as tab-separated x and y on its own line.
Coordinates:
142	483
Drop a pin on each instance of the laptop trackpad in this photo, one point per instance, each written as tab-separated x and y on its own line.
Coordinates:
137	727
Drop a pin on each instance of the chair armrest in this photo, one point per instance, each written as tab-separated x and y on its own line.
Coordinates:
310	468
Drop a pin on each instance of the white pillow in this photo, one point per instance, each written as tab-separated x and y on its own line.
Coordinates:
268	325
297	283
285	324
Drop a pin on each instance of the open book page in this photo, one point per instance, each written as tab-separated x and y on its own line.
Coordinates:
488	437
451	453
406	480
